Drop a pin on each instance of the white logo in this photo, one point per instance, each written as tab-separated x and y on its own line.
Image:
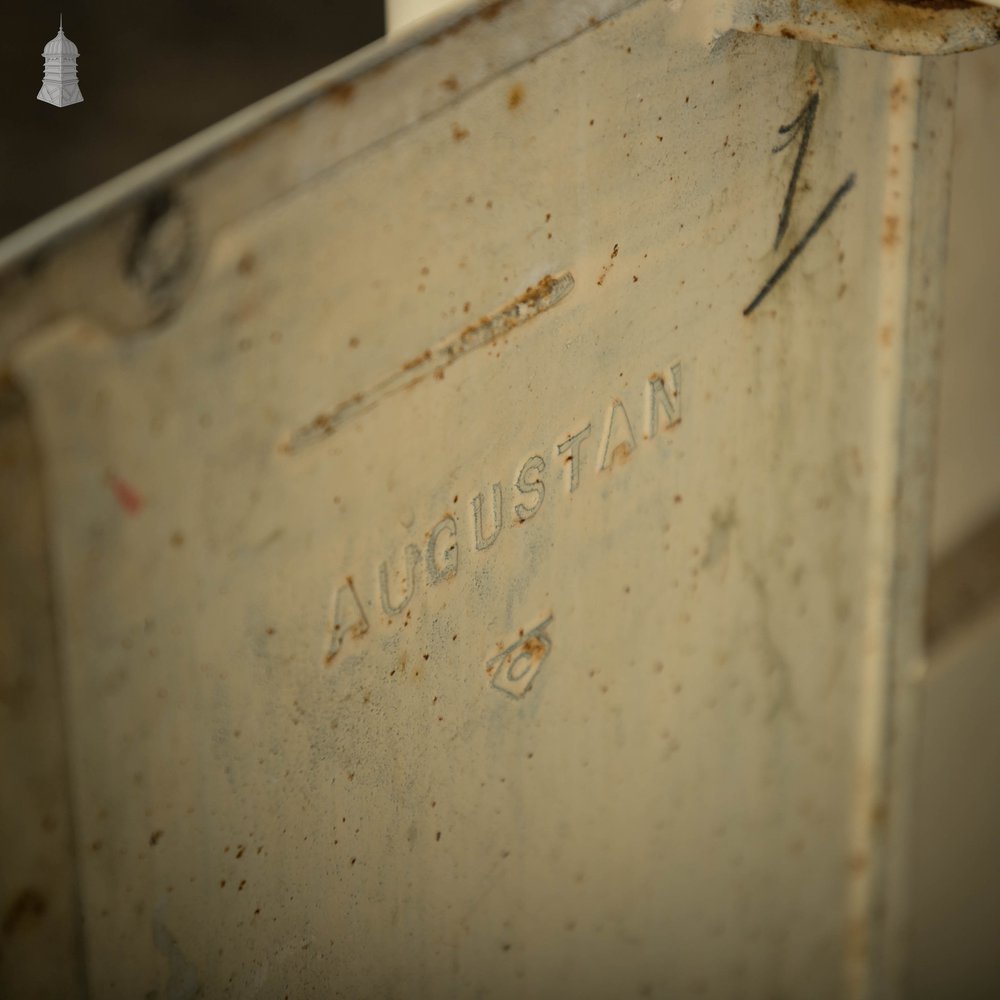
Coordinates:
59	86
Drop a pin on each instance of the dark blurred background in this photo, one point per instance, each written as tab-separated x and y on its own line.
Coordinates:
151	74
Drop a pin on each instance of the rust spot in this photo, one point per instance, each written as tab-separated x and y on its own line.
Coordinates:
890	231
450	83
458	133
28	906
608	266
246	263
353	342
418	360
176	539
620	453
535	647
897	96
488	13
879	817
341	93
515	96
788	33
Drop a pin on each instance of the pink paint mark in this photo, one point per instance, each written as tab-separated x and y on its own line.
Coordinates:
126	494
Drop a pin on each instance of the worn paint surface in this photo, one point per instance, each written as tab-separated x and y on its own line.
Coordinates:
567	668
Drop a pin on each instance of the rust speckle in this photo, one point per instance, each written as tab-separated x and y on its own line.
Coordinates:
458	133
418	360
515	96
450	83
897	96
890	231
550	290
154	837
488	13
535	647
246	263
609	265
341	93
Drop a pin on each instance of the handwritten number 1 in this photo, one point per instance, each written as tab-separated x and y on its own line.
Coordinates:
801	125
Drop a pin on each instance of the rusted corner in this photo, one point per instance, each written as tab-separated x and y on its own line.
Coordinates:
903	27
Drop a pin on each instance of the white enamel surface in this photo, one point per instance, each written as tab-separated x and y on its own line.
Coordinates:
679	779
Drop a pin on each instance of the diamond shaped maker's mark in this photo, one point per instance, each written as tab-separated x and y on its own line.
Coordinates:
514	670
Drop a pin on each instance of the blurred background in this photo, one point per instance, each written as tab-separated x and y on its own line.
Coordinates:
151	74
